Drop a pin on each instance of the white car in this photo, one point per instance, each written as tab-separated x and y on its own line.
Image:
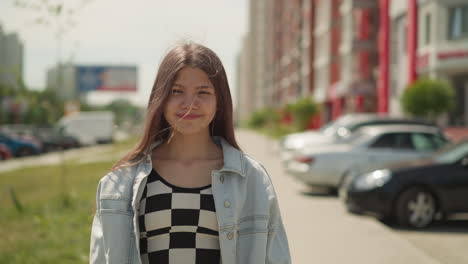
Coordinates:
339	130
369	146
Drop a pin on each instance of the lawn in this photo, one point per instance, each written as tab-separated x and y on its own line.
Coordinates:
42	222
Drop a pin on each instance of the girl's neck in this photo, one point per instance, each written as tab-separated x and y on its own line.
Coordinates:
190	148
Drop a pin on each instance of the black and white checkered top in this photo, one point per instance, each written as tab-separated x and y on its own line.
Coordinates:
177	225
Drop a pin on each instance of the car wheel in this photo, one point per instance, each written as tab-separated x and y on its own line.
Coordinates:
416	208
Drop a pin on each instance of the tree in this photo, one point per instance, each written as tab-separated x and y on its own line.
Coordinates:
428	99
124	110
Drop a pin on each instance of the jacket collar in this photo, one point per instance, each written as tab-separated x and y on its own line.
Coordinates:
233	160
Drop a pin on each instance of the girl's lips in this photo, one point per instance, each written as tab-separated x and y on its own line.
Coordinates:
189	117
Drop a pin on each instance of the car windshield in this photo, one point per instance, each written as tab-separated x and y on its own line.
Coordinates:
452	153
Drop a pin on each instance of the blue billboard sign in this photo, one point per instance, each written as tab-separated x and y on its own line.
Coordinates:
106	78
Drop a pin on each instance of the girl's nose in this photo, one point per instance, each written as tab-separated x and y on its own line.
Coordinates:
190	102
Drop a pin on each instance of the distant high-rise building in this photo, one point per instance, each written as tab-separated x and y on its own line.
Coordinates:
11	59
63	85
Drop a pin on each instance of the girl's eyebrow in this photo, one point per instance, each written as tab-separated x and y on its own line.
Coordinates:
198	87
204	87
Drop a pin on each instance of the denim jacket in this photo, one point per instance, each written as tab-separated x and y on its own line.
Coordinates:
249	220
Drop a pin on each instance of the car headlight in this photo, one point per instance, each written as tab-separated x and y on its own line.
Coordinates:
372	180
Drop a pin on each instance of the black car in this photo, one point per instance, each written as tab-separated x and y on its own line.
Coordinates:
54	139
413	193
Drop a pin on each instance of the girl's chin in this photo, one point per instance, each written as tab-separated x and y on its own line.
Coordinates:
187	131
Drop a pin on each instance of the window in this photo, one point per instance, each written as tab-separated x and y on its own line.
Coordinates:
422	142
458	22
427	39
453	153
404	38
401	141
426	142
385	141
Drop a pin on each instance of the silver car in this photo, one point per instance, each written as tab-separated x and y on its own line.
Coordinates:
339	130
367	147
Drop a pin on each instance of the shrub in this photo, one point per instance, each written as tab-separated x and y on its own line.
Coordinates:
303	110
427	98
263	117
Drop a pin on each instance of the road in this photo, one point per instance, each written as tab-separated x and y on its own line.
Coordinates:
321	231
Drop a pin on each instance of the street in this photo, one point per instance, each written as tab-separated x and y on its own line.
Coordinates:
321	231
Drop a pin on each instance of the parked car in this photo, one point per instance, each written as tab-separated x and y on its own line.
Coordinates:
413	193
339	130
5	152
46	137
22	131
52	139
369	146
18	146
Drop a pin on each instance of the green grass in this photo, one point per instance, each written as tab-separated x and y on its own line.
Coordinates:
49	224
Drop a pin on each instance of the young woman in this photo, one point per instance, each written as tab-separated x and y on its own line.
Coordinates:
187	193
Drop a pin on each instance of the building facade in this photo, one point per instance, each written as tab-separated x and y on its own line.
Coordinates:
64	84
359	56
11	59
441	51
353	55
245	100
275	65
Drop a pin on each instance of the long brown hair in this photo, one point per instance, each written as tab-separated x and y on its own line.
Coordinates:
156	127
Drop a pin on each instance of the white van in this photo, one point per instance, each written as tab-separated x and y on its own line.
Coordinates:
96	127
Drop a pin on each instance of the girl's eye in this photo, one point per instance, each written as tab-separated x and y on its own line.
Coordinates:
175	91
203	93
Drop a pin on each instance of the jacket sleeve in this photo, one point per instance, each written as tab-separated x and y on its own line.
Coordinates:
277	244
97	249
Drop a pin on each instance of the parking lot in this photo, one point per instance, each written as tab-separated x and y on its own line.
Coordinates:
321	231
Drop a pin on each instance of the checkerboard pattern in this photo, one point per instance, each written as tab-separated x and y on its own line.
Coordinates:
177	225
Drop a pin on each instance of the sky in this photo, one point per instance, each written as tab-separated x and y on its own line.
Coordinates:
137	32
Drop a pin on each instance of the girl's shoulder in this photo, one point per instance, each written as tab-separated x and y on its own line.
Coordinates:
254	170
119	182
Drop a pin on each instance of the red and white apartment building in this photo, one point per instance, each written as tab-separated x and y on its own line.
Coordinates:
352	55
430	39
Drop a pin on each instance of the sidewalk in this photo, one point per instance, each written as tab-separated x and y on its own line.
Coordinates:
319	228
80	155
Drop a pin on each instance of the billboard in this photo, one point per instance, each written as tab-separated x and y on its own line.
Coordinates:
106	78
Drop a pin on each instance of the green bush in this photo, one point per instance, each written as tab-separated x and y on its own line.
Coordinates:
427	98
303	110
263	117
267	120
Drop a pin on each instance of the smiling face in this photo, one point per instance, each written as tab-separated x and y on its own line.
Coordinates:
191	105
